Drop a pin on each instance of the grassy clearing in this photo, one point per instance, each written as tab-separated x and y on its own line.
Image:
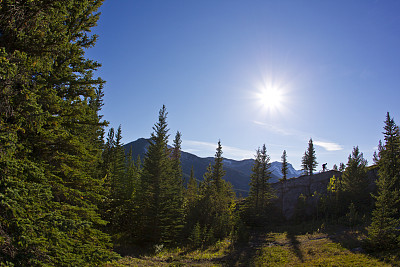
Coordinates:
310	250
212	256
273	249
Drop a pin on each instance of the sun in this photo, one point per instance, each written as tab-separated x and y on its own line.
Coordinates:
271	98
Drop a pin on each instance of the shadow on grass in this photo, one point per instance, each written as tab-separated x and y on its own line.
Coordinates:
295	245
353	238
242	254
347	240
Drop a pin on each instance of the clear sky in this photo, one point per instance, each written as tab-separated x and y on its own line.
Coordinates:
253	72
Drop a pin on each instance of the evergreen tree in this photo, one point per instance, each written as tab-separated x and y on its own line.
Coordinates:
383	232
133	170
216	201
342	167
355	180
267	193
50	135
176	166
121	177
159	206
174	210
309	162
285	167
156	168
389	163
284	170
255	184
376	156
191	194
218	171
120	182
127	220
260	193
191	209
192	189
108	158
334	206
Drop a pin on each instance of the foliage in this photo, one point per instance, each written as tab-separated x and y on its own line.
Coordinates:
331	204
300	212
285	167
284	170
309	161
215	206
348	191
355	181
353	217
383	233
191	211
51	135
261	193
159	198
121	175
342	166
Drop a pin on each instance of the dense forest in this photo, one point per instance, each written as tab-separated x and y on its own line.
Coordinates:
70	195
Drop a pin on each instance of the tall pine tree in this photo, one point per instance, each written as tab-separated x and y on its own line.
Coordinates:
159	198
285	167
261	193
309	161
383	232
355	180
190	204
284	170
216	202
51	135
174	199
218	171
255	183
120	175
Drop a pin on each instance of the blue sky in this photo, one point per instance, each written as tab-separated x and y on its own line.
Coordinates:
335	66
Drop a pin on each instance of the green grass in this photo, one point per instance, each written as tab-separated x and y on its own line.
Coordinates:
274	249
311	250
212	256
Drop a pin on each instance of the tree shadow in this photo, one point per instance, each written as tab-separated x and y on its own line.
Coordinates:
353	239
295	245
243	253
347	237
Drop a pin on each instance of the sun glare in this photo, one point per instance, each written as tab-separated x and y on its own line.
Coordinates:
271	98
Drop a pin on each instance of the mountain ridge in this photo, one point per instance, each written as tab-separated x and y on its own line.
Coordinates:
237	171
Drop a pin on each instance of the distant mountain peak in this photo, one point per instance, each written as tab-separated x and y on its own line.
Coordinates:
237	171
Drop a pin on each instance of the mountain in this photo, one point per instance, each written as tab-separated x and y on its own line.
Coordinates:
237	171
276	166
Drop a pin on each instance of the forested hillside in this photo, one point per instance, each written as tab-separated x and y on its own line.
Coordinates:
71	193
